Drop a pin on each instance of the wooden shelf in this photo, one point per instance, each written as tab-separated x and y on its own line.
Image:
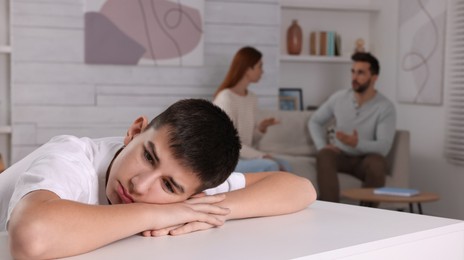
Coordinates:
303	4
5	129
308	58
5	49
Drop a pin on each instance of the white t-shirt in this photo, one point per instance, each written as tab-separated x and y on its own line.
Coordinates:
74	169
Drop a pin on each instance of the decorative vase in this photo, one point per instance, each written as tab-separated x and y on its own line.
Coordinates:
294	38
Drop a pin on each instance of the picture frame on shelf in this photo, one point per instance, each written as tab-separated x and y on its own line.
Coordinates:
287	103
290	99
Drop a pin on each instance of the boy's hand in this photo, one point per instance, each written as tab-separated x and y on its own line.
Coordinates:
196	213
179	229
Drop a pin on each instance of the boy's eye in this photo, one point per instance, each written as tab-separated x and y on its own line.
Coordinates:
168	186
148	157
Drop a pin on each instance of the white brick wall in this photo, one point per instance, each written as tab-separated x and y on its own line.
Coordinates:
54	92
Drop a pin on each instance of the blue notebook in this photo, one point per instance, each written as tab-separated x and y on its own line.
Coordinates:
396	191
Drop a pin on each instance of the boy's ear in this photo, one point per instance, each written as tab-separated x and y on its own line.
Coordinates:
136	128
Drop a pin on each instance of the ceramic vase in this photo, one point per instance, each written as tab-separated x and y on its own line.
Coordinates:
294	38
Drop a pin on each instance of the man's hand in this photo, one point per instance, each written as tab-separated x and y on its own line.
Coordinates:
267	123
196	213
350	140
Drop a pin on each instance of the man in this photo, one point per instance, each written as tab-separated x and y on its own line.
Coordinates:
53	201
365	123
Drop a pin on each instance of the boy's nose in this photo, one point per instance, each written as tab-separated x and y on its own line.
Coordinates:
142	182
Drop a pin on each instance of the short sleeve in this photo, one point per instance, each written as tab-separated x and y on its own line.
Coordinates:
235	181
68	178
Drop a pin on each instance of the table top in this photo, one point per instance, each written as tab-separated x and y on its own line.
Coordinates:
324	230
367	194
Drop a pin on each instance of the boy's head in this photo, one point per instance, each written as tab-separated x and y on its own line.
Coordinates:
203	138
191	146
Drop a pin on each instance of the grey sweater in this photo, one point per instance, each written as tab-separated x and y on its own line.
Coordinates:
375	122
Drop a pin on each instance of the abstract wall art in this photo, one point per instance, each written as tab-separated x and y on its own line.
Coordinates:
422	25
144	32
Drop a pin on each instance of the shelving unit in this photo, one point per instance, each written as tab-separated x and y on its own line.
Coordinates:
5	81
5	49
6	129
308	58
289	4
320	76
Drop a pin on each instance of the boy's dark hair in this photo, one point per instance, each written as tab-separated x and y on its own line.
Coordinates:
203	138
369	58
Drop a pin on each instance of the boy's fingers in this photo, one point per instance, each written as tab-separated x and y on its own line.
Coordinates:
190	227
164	231
199	195
160	233
215	220
206	199
210	209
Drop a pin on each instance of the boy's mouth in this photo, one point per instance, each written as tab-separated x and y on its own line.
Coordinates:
125	197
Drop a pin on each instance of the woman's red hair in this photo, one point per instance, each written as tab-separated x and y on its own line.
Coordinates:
247	57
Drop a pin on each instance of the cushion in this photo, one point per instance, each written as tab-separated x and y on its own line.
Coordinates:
291	136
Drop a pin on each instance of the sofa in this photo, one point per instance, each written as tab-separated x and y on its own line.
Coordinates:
292	141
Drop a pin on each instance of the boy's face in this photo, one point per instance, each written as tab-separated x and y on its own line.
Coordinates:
145	171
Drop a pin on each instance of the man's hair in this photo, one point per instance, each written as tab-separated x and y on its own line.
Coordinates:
202	138
369	58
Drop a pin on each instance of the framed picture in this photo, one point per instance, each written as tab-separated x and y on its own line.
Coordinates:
290	99
132	33
422	34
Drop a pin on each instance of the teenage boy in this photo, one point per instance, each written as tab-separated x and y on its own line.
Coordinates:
73	195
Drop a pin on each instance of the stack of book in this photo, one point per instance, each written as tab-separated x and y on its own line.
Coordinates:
325	43
396	191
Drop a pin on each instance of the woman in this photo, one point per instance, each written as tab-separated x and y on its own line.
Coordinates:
240	104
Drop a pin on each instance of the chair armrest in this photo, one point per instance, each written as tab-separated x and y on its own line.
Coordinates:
2	164
399	159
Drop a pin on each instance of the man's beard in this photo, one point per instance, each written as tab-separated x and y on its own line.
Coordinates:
361	88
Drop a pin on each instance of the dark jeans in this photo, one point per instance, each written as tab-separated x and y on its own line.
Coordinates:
371	169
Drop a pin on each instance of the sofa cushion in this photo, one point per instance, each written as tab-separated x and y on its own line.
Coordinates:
291	136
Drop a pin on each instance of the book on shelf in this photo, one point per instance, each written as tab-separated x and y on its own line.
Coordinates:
404	192
324	43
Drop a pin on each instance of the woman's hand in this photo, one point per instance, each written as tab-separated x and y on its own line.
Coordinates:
267	123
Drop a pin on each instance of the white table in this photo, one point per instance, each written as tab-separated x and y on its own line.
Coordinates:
322	231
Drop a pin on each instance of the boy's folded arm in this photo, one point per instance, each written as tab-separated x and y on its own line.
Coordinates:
268	194
44	226
265	194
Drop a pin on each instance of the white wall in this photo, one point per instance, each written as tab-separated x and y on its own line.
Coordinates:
429	169
54	92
